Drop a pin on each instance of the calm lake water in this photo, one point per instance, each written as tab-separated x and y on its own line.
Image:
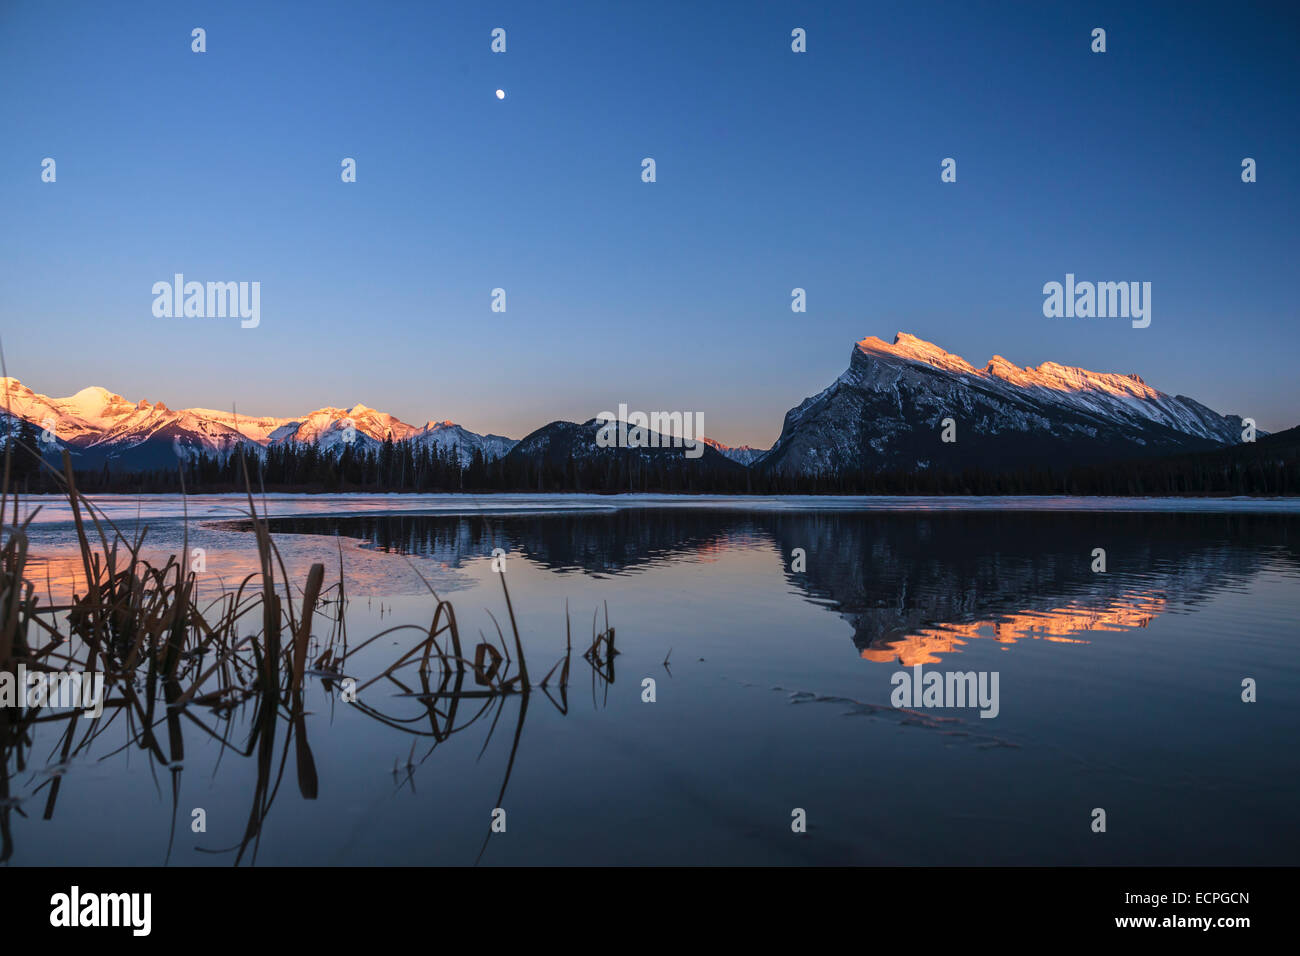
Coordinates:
773	630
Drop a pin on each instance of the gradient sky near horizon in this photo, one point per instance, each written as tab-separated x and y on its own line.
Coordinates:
775	170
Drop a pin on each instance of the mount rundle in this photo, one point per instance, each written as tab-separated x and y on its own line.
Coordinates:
887	411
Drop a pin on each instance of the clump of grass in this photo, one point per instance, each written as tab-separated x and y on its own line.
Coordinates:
166	656
134	614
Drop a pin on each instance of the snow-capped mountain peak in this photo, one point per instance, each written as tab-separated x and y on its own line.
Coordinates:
908	348
93	402
98	424
1050	375
886	409
744	454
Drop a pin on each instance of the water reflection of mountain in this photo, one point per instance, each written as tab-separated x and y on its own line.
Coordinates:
601	542
914	586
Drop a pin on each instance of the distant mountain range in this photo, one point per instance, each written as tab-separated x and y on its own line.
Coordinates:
888	411
98	426
742	454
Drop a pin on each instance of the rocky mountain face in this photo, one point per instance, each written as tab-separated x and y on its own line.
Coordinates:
897	402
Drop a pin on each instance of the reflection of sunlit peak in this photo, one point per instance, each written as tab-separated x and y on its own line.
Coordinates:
923	648
1058	625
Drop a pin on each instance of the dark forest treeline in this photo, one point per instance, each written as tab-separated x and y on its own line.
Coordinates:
1270	467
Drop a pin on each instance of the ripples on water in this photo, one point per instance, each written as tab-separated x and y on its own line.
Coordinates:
1119	689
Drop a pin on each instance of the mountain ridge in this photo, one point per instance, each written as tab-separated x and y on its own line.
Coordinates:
100	425
884	412
888	410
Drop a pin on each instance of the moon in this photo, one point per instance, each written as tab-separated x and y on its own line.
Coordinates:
501	94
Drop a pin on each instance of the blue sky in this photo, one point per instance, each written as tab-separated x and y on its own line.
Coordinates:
775	170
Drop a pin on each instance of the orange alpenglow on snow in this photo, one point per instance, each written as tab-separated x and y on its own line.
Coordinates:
1049	375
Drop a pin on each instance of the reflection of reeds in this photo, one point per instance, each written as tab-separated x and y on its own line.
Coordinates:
159	647
600	655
